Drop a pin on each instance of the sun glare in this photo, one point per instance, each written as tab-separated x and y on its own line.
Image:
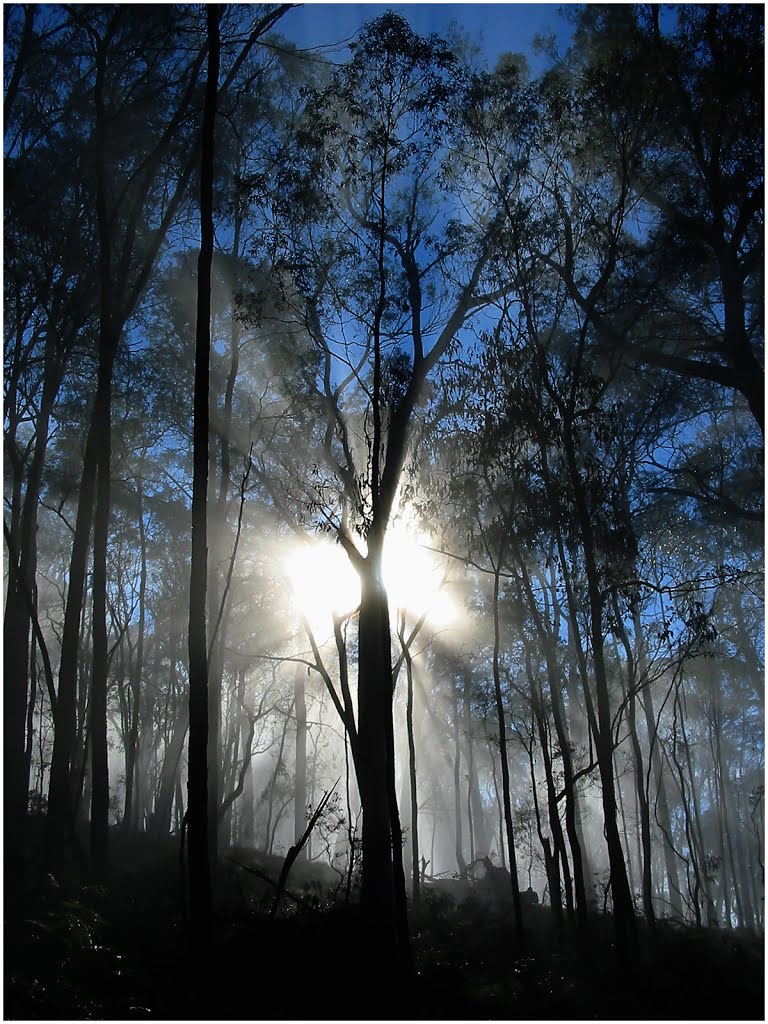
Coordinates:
412	575
324	583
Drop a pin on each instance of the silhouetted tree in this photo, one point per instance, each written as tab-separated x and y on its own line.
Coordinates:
199	826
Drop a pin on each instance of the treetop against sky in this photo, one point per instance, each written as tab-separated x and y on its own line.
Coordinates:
495	28
462	369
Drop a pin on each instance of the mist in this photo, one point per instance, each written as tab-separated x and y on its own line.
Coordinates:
383	513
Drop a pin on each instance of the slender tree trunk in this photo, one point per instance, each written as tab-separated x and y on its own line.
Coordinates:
558	855
478	834
624	830
492	755
246	810
98	702
169	775
550	859
623	910
216	526
82	736
571	798
556	685
300	776
662	807
415	872
505	784
724	809
537	703
61	790
198	823
109	336
698	836
20	595
458	836
132	774
269	837
634	679
31	712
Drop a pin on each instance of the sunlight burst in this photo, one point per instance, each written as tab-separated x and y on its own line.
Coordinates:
324	583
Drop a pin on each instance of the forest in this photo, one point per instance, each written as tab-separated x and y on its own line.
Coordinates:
383	516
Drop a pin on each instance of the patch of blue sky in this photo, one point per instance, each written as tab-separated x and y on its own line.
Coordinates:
496	28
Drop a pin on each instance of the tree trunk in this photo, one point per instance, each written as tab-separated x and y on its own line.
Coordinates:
132	774
499	808
377	894
723	809
558	855
61	790
505	786
300	777
415	872
169	774
20	598
197	801
271	826
550	860
537	700
478	831
623	910
457	824
634	679
100	668
662	808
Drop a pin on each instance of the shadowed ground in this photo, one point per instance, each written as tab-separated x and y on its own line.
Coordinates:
121	953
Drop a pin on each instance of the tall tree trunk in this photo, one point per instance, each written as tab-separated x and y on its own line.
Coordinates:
559	855
550	859
374	707
457	823
19	605
271	826
415	871
216	524
300	777
505	785
499	808
634	680
61	803
724	808
555	680
100	668
31	703
623	910
663	817
132	773
246	809
109	335
197	806
478	832
169	774
624	829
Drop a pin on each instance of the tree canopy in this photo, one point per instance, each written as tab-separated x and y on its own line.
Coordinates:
452	376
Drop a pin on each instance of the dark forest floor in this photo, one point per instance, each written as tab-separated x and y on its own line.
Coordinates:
122	953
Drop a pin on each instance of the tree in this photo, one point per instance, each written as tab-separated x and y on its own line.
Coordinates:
679	100
198	824
120	245
361	244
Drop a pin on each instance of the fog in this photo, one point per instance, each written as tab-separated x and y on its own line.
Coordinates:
383	525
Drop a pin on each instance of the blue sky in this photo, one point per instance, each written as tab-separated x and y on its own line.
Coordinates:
498	28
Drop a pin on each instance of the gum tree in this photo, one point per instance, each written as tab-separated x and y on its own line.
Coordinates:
382	250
